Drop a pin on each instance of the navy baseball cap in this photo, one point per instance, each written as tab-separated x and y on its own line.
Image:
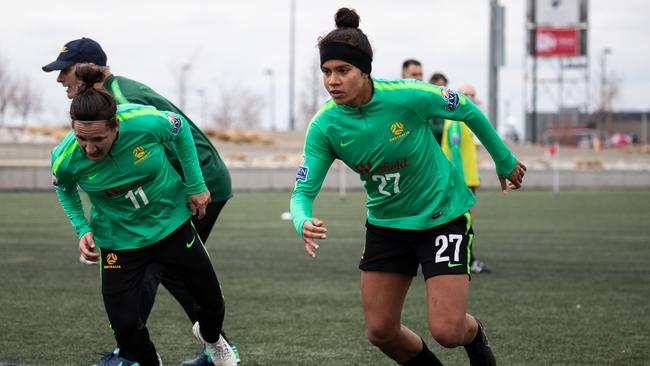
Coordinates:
79	50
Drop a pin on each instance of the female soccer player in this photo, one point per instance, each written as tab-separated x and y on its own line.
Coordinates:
139	212
417	202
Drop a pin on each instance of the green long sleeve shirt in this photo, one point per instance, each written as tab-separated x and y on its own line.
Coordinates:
215	172
137	197
388	141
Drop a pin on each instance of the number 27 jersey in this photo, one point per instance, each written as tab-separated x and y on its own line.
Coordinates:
388	142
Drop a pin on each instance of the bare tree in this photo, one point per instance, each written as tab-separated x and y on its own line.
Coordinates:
25	100
313	96
237	108
7	89
250	107
224	116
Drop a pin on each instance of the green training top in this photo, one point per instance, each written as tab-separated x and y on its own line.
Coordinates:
137	197
388	141
215	172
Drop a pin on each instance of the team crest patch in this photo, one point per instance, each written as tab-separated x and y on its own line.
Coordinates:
451	97
303	171
176	121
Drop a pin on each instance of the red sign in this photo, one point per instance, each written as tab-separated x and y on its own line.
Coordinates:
558	42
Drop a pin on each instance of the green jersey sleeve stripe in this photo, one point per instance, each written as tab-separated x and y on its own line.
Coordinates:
126	115
68	150
381	85
117	93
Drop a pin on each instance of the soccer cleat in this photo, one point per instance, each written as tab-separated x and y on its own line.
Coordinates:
235	350
476	266
114	359
220	351
202	359
479	351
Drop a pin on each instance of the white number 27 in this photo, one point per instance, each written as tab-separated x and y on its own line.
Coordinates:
443	243
383	180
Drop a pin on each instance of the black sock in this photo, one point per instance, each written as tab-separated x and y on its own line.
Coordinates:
478	350
478	339
424	358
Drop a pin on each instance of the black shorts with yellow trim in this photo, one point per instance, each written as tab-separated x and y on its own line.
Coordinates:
440	250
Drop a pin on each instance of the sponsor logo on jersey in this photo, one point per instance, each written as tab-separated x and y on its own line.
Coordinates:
397	128
345	144
119	190
111	262
451	97
385	167
362	168
176	121
389	167
140	154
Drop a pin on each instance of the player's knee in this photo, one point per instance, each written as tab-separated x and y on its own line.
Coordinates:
380	336
449	334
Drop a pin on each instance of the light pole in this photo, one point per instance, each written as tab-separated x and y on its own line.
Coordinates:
603	78
292	62
603	89
271	75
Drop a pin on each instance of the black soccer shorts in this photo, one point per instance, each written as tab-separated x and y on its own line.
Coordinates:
443	249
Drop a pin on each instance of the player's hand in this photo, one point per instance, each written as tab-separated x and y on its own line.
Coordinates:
87	247
311	230
515	178
198	203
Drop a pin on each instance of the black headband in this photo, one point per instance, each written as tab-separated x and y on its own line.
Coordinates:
345	52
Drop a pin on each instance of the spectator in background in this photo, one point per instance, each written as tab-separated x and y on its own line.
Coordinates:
458	144
412	69
438	124
438	79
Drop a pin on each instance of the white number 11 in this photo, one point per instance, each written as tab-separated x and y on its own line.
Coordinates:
139	192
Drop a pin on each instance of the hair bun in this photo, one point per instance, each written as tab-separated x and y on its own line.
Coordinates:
346	18
89	74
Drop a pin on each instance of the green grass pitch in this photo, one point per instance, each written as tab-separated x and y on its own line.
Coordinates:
571	284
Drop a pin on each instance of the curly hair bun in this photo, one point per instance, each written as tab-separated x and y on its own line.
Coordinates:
346	18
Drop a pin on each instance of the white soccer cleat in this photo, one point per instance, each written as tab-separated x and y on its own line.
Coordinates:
221	352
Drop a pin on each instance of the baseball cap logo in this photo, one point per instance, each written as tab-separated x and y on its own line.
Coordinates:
77	51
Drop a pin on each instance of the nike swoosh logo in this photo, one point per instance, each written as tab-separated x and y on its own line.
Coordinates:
345	144
189	245
452	265
91	177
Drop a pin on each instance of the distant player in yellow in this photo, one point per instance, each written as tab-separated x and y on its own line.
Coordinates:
458	144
